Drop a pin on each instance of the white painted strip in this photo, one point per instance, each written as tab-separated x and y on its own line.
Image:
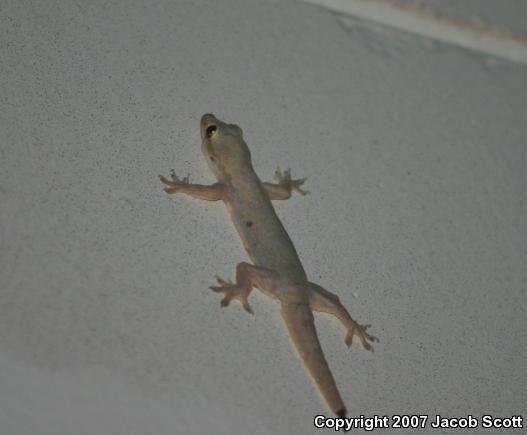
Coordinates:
415	19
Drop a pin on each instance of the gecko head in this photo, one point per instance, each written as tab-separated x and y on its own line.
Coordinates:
223	146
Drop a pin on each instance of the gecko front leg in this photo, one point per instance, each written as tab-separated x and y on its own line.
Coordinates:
213	192
284	186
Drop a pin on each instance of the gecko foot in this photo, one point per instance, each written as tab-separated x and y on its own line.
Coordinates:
284	179
175	184
233	291
360	330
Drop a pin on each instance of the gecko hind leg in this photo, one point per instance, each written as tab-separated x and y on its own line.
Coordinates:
233	291
324	301
247	277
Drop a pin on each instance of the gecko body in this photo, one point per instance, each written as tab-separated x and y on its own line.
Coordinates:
276	269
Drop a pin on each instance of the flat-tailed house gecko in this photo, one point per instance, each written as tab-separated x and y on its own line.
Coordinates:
276	269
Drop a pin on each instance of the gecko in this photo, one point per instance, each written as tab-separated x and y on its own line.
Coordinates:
276	269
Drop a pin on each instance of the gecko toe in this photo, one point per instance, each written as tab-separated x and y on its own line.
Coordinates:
222	281
247	306
225	301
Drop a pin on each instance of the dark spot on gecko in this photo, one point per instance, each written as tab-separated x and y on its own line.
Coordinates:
341	413
249	224
212	159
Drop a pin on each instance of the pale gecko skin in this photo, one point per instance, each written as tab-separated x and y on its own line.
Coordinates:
276	269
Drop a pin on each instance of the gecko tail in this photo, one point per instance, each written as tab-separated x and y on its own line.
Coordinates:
300	323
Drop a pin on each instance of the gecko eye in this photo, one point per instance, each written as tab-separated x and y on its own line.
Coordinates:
210	130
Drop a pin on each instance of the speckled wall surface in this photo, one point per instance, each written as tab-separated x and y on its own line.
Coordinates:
415	157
